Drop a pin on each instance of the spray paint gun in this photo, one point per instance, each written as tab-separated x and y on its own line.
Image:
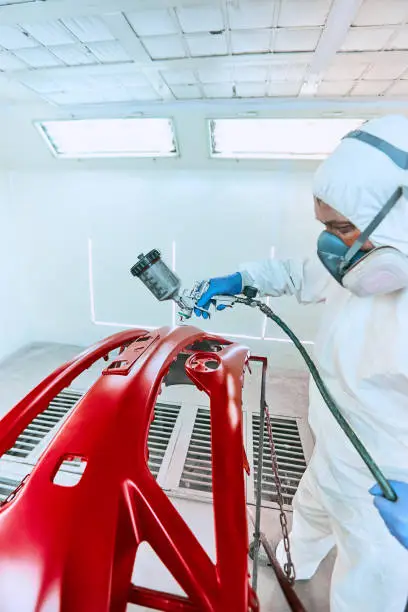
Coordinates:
166	285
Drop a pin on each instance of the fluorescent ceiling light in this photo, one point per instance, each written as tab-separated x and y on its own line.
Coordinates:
278	138
87	138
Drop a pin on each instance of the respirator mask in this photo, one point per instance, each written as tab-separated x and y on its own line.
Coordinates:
382	269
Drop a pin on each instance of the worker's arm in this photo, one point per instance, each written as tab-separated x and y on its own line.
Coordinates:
306	279
394	514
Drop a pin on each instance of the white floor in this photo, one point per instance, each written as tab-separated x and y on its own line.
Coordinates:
24	370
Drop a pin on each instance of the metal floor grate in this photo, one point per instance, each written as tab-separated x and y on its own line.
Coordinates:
291	459
44	423
197	466
161	429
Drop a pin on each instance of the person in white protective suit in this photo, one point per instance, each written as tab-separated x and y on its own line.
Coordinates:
362	354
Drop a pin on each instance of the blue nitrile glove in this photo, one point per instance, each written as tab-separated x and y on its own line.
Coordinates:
394	514
224	285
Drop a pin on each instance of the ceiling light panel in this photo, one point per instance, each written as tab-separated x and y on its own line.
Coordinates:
251	15
109	52
277	138
74	55
200	19
130	137
202	45
164	47
250	41
38	57
302	39
49	33
366	39
88	29
153	23
378	12
304	13
13	38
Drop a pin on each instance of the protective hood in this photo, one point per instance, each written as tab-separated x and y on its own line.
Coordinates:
357	179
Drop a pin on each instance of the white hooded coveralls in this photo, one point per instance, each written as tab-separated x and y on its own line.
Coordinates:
362	354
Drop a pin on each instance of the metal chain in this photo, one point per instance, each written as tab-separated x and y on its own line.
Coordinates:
289	568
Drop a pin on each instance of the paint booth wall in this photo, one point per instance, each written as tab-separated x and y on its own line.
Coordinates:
83	230
14	305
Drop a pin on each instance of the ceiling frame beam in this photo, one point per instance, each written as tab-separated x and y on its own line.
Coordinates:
339	20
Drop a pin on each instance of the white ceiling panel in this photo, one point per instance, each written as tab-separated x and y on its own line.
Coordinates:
75	97
386	68
284	88
250	41
109	52
179	77
142	93
222	75
38	57
186	92
43	85
366	39
302	39
370	88
400	88
304	13
287	72
133	79
200	19
162	47
345	67
251	90
49	33
251	15
13	38
11	2
74	55
218	90
400	41
88	29
250	74
335	88
11	91
8	61
153	23
207	44
382	12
